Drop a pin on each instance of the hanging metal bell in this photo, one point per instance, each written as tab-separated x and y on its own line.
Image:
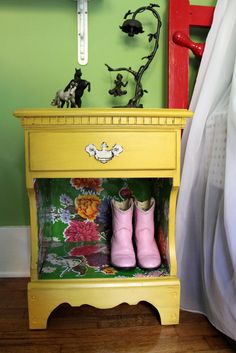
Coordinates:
132	27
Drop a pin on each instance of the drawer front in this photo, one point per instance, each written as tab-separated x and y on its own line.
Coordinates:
58	151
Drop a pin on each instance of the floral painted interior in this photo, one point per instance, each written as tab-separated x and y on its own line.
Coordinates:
75	225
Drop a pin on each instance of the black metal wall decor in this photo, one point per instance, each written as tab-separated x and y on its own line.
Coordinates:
132	27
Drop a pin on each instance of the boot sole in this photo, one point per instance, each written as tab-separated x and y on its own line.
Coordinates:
123	268
149	268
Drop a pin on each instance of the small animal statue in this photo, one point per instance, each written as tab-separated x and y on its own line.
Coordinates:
81	86
65	96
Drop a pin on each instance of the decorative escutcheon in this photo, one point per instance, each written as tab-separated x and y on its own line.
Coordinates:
103	155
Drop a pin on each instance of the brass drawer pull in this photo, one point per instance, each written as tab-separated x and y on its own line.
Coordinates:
103	155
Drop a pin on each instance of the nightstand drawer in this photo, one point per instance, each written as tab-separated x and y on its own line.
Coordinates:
66	151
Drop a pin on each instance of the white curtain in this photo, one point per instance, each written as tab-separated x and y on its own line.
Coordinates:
206	208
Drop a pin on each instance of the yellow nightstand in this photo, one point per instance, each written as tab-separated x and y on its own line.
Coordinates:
68	143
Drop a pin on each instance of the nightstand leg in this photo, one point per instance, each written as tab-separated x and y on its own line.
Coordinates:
169	316
39	308
167	303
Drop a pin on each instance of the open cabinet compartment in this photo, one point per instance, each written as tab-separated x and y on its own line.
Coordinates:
75	225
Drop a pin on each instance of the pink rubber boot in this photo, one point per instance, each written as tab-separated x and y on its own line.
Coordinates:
122	251
147	251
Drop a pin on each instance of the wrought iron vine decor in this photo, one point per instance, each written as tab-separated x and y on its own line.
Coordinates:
132	27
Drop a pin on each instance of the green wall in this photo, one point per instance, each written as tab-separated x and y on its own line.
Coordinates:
38	56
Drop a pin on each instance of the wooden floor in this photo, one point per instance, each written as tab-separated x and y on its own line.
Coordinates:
126	329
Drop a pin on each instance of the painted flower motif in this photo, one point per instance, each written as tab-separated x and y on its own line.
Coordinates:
51	215
81	231
56	242
125	193
64	215
109	271
87	206
66	200
54	259
48	269
92	184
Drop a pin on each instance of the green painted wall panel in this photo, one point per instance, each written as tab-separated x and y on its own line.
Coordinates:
38	56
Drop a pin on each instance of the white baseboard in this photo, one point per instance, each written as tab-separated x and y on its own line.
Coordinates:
15	251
